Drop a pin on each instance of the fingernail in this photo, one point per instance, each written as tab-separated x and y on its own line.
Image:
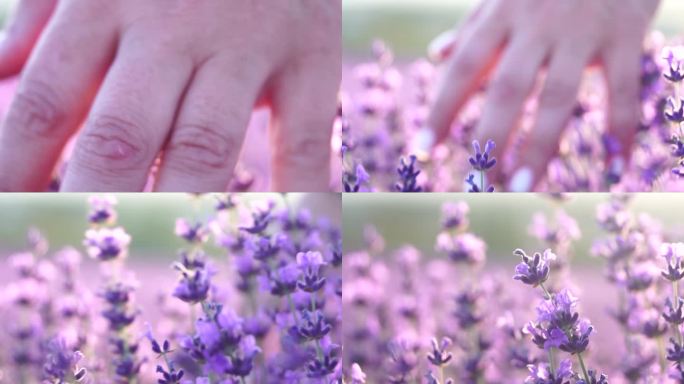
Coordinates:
423	141
521	181
440	45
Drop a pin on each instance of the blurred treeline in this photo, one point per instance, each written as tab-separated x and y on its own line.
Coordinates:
409	25
502	220
149	218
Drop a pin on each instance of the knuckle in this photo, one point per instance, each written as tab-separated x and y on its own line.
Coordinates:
198	147
36	111
113	145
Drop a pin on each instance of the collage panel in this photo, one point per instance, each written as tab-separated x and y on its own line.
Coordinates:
567	96
169	96
504	288
170	288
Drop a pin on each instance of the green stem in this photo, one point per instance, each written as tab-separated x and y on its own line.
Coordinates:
482	181
547	294
552	362
290	302
193	316
675	303
584	368
661	354
441	374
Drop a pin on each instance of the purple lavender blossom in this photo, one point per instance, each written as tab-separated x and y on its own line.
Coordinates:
533	270
466	247
675	58
107	243
440	355
673	254
102	209
61	363
283	280
408	174
310	264
194	286
455	216
353	183
542	373
482	161
261	218
192	233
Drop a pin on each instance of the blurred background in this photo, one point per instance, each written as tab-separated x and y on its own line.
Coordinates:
409	25
502	220
149	218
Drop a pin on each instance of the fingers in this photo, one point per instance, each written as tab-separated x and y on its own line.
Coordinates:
623	75
304	109
471	59
130	119
23	32
443	45
52	98
556	103
205	143
508	91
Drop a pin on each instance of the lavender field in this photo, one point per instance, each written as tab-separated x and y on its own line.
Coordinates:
394	74
548	309
251	294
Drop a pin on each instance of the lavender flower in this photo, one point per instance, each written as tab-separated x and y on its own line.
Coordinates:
675	58
673	254
284	280
482	161
107	243
118	313
440	355
61	363
408	174
192	233
353	183
543	374
466	247
102	209
194	286
310	264
261	218
220	342
533	270
455	216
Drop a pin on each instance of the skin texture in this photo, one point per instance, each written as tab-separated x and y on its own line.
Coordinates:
170	78
513	44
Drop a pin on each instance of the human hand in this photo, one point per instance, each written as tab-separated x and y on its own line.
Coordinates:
512	42
172	77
